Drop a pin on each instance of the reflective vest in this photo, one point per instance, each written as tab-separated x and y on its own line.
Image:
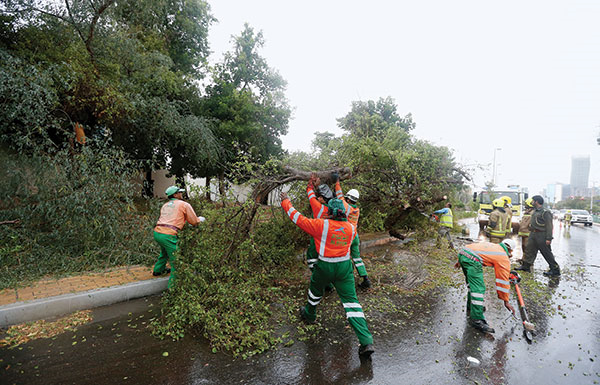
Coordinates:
508	212
499	218
490	254
446	219
332	238
352	212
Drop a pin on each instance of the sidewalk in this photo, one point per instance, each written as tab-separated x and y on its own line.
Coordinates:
54	297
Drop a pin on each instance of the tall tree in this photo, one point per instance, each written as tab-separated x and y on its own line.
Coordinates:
126	70
248	103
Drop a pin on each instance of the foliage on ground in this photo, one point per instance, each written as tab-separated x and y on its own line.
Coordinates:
76	213
20	334
227	278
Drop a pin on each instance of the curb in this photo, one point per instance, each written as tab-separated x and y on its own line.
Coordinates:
26	311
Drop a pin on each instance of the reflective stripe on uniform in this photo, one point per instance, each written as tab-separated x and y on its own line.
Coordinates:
320	212
502	289
290	211
355	314
498	280
295	218
323	238
334	259
476	295
313	299
354	305
311	195
476	302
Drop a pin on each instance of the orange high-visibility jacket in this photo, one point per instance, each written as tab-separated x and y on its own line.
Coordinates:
332	238
173	216
319	210
352	213
491	254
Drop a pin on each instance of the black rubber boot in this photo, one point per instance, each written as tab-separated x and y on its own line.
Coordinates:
524	267
165	271
365	351
481	324
304	316
552	273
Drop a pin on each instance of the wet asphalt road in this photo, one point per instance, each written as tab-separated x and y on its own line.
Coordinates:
432	347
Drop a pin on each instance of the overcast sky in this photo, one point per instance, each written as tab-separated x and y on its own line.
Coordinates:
523	76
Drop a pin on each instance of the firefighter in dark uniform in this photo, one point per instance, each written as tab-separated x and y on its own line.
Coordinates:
540	239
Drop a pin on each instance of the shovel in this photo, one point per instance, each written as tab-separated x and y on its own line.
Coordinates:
529	327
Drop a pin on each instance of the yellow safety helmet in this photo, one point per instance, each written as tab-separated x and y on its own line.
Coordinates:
506	199
498	203
529	202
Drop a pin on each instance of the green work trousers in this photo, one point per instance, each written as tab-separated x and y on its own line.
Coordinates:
473	271
341	276
168	245
312	256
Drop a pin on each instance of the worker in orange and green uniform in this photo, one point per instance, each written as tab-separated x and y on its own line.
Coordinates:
509	213
524	225
472	257
173	216
350	201
333	238
446	223
496	229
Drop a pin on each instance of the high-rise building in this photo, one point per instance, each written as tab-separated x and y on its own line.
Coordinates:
580	173
554	192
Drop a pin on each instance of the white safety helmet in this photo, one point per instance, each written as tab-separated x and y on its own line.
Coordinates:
511	244
353	195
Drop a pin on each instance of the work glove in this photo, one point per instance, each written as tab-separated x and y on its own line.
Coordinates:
366	283
201	219
335	176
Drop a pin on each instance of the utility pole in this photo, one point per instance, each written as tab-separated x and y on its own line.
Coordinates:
494	172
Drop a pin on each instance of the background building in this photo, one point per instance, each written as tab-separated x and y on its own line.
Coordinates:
580	174
554	193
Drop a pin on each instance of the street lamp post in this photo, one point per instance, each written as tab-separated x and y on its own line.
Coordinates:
592	198
494	172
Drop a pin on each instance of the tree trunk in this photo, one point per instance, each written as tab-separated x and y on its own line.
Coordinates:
222	188
207	185
148	184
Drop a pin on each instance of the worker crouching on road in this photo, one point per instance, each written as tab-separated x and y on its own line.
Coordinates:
173	216
472	258
496	228
333	238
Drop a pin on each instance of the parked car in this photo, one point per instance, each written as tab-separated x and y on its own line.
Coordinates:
582	216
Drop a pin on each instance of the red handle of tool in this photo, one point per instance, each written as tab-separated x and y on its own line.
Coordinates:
521	303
